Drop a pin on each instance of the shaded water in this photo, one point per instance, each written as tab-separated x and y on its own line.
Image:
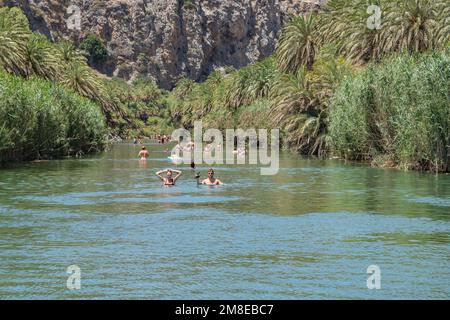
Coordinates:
309	232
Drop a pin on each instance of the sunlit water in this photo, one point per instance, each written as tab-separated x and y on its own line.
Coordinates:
309	232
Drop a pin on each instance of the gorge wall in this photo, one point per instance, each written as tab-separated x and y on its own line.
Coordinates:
168	39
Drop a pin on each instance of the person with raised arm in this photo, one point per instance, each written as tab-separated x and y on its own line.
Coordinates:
169	179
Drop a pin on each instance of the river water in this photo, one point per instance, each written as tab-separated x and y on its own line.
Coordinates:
309	232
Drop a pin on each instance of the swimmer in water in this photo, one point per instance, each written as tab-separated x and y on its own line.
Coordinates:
211	181
143	154
169	179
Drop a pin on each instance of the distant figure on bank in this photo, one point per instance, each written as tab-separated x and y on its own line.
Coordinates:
169	179
143	154
211	181
135	141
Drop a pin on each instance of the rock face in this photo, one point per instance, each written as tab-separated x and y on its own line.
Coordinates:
168	39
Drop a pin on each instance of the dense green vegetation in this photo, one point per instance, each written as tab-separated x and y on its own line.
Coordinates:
29	54
95	49
42	120
334	85
396	113
324	55
57	105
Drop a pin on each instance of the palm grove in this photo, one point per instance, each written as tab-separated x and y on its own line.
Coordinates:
334	87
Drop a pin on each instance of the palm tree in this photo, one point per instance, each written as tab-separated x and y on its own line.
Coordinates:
300	102
82	79
42	58
327	73
69	53
183	87
298	44
294	108
410	25
442	31
262	80
237	93
14	35
290	96
345	23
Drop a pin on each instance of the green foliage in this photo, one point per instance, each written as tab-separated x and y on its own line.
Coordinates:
94	48
41	120
126	108
300	102
42	58
317	53
406	25
299	43
399	110
68	53
14	35
189	4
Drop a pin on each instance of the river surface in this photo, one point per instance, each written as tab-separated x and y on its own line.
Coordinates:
309	232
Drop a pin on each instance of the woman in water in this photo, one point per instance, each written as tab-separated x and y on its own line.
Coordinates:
169	179
143	154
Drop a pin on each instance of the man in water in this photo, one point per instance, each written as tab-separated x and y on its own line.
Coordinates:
211	181
169	179
143	155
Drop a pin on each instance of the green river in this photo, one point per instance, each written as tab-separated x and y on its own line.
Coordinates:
309	232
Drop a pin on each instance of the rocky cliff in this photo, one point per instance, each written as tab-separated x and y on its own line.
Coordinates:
168	39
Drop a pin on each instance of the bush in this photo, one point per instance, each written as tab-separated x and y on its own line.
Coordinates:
42	120
94	48
400	109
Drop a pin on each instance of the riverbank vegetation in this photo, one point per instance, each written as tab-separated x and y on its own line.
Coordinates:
339	84
336	86
396	113
49	87
43	120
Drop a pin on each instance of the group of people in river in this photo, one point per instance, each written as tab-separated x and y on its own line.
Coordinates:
161	138
240	151
170	179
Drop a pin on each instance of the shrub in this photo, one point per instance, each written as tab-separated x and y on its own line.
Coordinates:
42	120
400	108
94	48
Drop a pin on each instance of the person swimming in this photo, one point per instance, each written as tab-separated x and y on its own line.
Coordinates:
143	154
169	179
210	181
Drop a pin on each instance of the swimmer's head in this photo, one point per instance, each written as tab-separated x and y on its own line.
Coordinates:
143	148
169	172
211	172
